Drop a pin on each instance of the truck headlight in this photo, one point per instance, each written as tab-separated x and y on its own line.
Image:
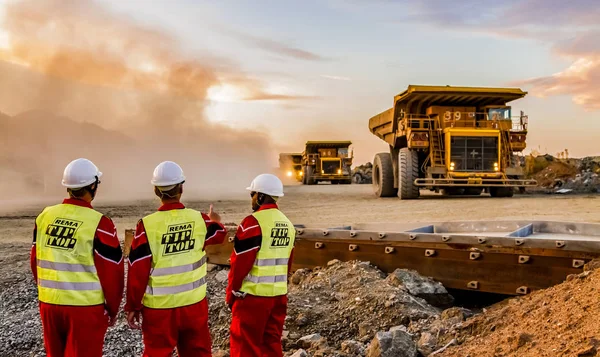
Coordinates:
301	173
452	166
496	167
339	171
289	173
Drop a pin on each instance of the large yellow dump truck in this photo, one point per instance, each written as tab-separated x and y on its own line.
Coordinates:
459	140
327	161
290	165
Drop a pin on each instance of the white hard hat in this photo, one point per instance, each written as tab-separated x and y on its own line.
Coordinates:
166	174
80	173
268	184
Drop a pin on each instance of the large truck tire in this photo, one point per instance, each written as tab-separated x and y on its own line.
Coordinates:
408	172
310	178
383	175
304	175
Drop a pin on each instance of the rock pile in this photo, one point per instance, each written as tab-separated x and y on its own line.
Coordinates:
363	174
565	175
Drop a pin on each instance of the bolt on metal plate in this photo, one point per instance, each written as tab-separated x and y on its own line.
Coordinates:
474	255
412	236
381	235
231	239
560	243
352	234
523	290
389	250
352	247
300	231
519	241
445	238
481	240
578	263
473	285
325	233
524	259
319	245
429	252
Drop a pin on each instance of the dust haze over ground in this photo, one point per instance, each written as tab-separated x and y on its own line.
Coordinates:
81	81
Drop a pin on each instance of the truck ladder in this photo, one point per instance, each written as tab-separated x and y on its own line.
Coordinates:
505	160
436	148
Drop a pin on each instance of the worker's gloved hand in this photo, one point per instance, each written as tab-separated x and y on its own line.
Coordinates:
214	216
133	319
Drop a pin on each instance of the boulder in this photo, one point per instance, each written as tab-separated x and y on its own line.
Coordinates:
300	353
426	288
312	341
395	343
353	348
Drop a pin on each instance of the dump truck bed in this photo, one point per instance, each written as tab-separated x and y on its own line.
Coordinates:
417	98
507	257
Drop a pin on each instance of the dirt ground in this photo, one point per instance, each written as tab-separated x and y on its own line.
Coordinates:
313	205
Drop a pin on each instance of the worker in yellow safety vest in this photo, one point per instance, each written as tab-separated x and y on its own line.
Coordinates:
260	263
77	262
166	281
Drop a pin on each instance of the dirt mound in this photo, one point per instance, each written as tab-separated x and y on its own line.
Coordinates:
556	171
559	321
556	175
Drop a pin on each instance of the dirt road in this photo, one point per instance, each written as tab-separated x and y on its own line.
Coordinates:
335	205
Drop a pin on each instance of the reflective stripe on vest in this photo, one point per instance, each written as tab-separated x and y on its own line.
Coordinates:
65	256
66	266
178	275
268	276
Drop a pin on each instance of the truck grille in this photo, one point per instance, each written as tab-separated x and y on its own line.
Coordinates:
474	153
330	167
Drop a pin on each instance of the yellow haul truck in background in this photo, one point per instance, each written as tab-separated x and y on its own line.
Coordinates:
327	161
290	165
458	140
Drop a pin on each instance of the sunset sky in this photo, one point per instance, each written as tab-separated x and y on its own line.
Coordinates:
307	70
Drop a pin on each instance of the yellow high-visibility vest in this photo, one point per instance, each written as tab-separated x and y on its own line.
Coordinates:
65	256
268	276
178	275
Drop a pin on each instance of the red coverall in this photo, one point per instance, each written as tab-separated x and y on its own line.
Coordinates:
164	329
75	331
257	321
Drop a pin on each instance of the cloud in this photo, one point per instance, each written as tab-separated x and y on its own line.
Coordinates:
581	79
571	27
85	42
335	78
272	46
71	63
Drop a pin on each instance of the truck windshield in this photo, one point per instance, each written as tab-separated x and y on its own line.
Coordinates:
499	114
343	152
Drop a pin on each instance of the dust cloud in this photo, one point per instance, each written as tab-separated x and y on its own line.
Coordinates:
78	80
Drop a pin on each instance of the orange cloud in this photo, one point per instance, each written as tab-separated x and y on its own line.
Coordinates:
80	40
